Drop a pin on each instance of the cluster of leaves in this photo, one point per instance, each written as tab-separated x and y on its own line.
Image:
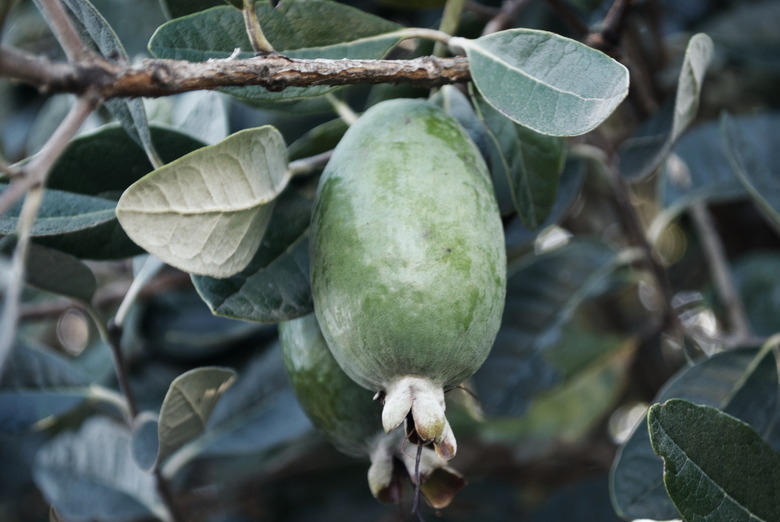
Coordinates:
601	313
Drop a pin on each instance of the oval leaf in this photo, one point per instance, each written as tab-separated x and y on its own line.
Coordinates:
543	81
145	441
90	475
716	467
59	273
295	28
188	406
531	162
640	156
275	285
542	293
728	381
206	212
754	156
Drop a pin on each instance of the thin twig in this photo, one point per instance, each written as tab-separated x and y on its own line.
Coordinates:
254	31
31	181
155	78
715	257
63	29
343	110
608	36
450	19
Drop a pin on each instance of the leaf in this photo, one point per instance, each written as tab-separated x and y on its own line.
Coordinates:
566	413
90	475
275	286
542	294
716	467
294	28
754	157
96	32
641	156
747	33
320	139
83	226
59	273
531	162
583	501
257	414
37	384
569	187
188	406
737	381
698	170
755	278
206	212
145	441
567	87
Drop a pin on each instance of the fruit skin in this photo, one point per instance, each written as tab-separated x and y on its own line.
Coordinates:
408	265
350	419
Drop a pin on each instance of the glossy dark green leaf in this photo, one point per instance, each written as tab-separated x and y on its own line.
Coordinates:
275	285
568	88
105	162
642	155
59	273
257	414
542	293
83	226
531	162
734	381
755	157
188	405
294	28
99	35
36	384
90	475
716	467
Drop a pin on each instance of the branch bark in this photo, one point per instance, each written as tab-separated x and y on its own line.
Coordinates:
155	77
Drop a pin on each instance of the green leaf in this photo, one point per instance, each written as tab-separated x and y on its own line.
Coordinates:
755	277
36	384
747	33
566	88
97	33
716	467
294	28
257	414
206	212
531	162
188	406
145	441
642	155
542	294
275	285
90	475
105	162
741	381
754	156
698	170
320	139
59	273
83	226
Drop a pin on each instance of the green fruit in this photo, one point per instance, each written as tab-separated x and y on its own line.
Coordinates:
350	419
408	266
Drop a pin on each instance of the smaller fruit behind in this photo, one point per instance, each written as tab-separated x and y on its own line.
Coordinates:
351	420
